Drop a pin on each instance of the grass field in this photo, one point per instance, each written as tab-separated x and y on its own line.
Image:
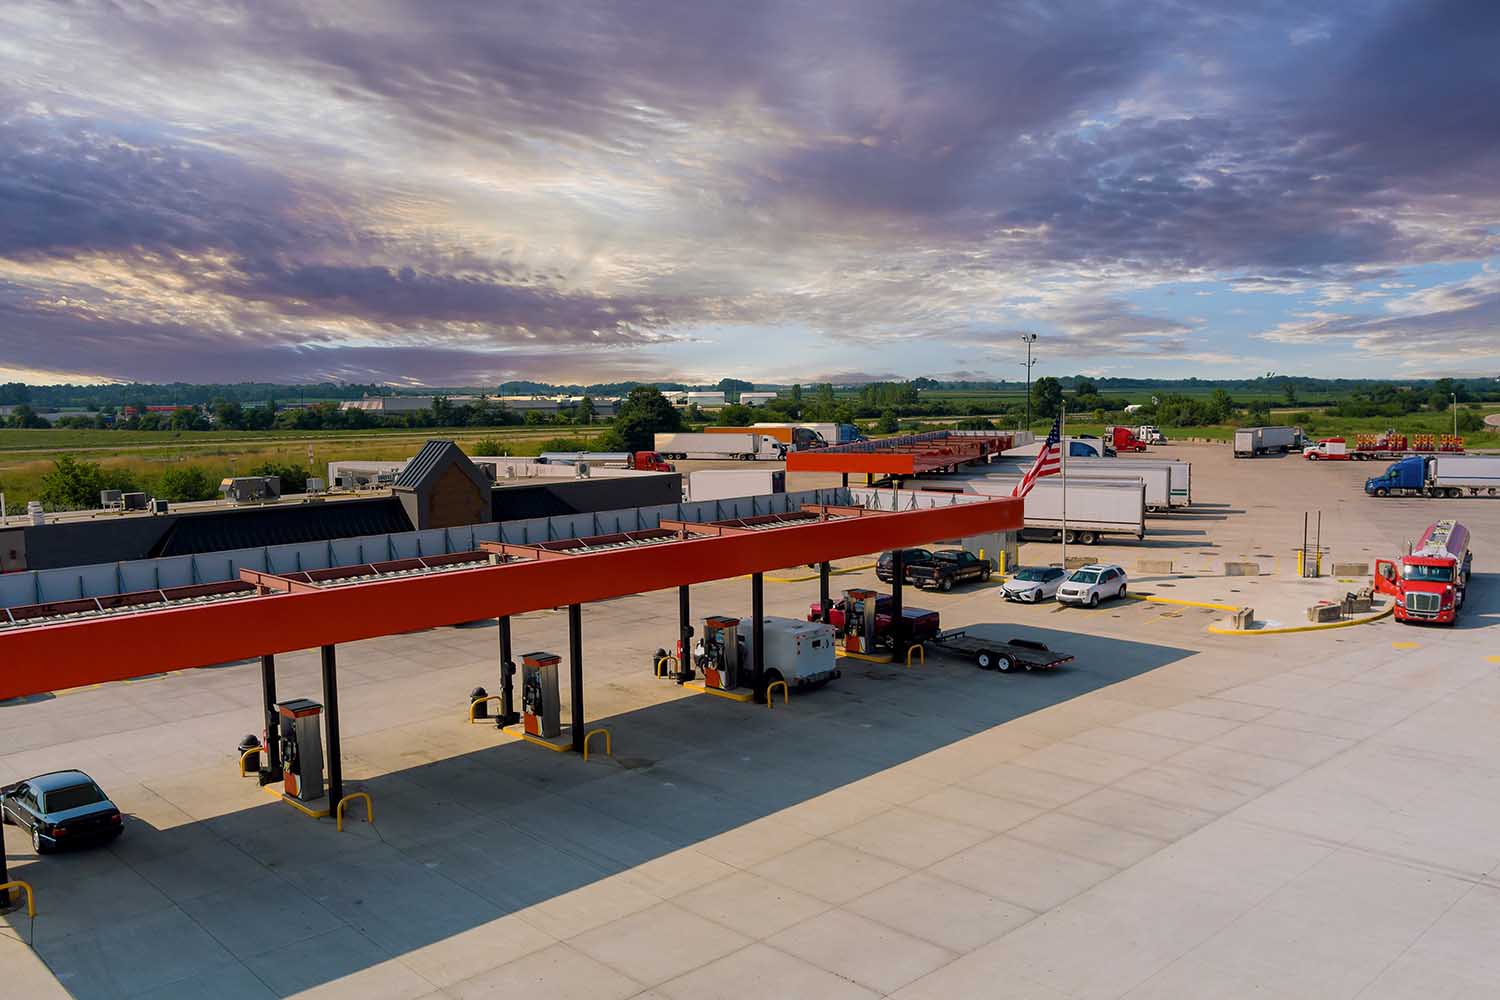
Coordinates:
26	454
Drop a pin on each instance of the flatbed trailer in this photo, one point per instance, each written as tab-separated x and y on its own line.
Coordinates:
993	654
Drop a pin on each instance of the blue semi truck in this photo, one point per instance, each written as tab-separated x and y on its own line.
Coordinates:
1450	476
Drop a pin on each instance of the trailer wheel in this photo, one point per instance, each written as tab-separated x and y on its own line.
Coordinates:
984	660
1072	536
1088	537
1454	493
1004	663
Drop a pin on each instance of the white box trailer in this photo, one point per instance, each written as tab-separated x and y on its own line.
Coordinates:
748	446
1169	482
726	484
1252	441
1157	478
1179	474
1095	506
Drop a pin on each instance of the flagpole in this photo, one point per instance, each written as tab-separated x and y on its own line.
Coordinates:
1062	443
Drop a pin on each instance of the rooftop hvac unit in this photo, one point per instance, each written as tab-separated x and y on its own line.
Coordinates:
489	470
247	489
315	484
134	501
111	499
35	512
581	470
158	506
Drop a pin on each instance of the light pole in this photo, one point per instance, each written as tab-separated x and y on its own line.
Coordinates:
1455	413
1028	339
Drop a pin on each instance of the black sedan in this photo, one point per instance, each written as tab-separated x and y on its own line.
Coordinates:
61	809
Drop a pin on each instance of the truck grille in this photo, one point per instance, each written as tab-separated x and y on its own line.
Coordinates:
1423	604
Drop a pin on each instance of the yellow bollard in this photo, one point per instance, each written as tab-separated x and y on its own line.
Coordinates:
918	648
480	701
786	693
6	887
369	808
608	742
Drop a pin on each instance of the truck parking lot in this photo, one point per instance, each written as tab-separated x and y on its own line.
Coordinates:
1172	813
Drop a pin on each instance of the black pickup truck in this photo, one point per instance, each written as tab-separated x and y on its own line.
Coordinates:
947	567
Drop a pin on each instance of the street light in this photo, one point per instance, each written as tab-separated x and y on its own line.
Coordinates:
1028	339
1455	413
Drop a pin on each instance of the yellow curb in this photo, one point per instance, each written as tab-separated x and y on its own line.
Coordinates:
1187	604
1404	645
1216	630
814	576
1492	659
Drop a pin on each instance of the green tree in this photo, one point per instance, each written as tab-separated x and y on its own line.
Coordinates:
736	415
1046	397
186	483
71	484
1084	387
887	424
584	412
25	417
292	475
642	415
1221	407
1289	392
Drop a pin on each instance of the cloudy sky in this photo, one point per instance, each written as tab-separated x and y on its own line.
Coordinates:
458	192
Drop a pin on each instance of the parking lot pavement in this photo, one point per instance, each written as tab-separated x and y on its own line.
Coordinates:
1172	814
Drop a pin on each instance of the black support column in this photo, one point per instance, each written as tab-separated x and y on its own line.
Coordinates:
575	672
758	635
823	595
898	621
846	480
331	722
685	633
273	719
508	715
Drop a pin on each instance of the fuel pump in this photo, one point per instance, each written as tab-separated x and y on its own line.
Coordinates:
859	620
301	748
717	654
541	712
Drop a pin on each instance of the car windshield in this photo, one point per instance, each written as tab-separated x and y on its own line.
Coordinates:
71	797
1084	576
1441	574
1031	575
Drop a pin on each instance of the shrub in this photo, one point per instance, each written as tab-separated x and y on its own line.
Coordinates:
185	483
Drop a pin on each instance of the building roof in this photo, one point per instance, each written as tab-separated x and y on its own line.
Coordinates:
429	463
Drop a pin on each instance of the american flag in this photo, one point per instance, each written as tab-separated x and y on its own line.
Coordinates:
1048	461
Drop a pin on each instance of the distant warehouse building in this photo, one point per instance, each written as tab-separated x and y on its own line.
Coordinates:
603	406
756	398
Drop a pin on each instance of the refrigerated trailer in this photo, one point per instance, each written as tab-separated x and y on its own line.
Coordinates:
1252	441
1438	476
1095	507
747	446
726	484
1156	476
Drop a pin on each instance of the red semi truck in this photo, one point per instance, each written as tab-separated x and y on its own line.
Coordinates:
1428	583
1123	439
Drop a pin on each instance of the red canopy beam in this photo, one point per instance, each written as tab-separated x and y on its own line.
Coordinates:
72	653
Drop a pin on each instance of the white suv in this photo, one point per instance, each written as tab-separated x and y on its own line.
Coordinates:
1091	584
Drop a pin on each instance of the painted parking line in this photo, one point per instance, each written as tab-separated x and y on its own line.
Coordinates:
1404	645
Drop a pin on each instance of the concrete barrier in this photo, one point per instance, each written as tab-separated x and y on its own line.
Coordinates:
1325	612
1145	566
1243	617
1351	569
1242	569
1077	562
